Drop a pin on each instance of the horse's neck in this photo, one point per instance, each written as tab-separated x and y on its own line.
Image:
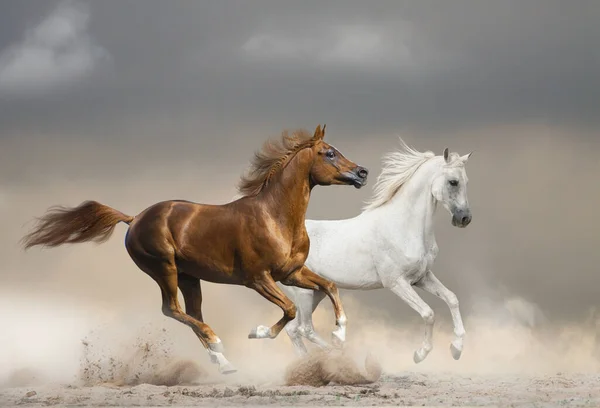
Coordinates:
288	194
411	210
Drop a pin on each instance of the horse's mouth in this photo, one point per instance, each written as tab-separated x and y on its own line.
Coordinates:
358	184
355	180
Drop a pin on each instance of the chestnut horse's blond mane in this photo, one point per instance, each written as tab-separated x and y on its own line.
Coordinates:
271	159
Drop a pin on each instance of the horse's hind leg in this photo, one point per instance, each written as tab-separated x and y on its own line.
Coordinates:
192	296
305	278
430	283
293	327
292	331
407	293
266	286
307	303
302	326
165	274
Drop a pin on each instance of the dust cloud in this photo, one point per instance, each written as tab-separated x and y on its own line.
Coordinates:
508	337
147	360
321	368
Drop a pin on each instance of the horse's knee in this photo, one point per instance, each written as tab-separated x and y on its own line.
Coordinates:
331	287
428	316
452	301
289	311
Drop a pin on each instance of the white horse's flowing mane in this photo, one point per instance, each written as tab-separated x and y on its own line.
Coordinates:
398	167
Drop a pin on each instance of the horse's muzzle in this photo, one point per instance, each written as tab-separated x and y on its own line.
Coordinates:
461	218
359	176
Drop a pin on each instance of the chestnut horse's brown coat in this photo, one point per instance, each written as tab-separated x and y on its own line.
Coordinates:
254	241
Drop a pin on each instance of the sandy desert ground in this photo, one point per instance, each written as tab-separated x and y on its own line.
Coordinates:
408	389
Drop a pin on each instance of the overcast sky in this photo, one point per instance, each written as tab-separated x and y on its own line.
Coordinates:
393	63
131	102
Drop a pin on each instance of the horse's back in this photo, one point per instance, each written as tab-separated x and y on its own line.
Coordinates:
165	228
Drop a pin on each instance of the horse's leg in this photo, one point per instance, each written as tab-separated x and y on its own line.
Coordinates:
307	279
266	286
307	301
166	277
430	283
192	295
296	338
307	329
406	292
293	327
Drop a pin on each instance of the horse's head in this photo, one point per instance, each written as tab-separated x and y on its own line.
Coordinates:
450	188
331	167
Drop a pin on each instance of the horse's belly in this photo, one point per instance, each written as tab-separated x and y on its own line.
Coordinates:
360	284
211	274
362	278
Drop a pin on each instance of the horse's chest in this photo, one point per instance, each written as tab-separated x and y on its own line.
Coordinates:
417	265
415	269
292	256
299	252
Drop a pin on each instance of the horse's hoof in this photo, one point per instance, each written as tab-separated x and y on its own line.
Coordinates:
456	353
418	357
227	369
259	332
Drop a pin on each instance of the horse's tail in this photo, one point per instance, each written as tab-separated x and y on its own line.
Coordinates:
90	221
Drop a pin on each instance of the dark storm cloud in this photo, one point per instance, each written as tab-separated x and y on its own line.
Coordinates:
399	63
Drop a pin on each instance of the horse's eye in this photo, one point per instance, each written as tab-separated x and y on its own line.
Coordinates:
453	183
330	154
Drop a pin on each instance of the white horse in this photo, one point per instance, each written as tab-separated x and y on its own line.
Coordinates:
391	244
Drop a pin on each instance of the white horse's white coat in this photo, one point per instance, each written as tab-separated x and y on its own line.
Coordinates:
391	244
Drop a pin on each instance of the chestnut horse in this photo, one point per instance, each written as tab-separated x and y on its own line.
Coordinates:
255	241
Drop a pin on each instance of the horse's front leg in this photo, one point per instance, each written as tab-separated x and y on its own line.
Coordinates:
406	292
266	286
307	279
430	283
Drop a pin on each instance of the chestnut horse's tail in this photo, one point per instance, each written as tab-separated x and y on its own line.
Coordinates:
90	221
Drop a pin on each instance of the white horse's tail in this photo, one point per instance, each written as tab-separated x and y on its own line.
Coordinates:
322	368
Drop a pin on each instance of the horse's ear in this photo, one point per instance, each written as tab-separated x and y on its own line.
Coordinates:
446	154
319	133
465	158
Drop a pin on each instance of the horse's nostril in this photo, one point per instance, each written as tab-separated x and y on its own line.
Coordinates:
362	173
465	220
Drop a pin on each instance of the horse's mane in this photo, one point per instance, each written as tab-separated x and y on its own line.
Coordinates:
398	168
271	159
